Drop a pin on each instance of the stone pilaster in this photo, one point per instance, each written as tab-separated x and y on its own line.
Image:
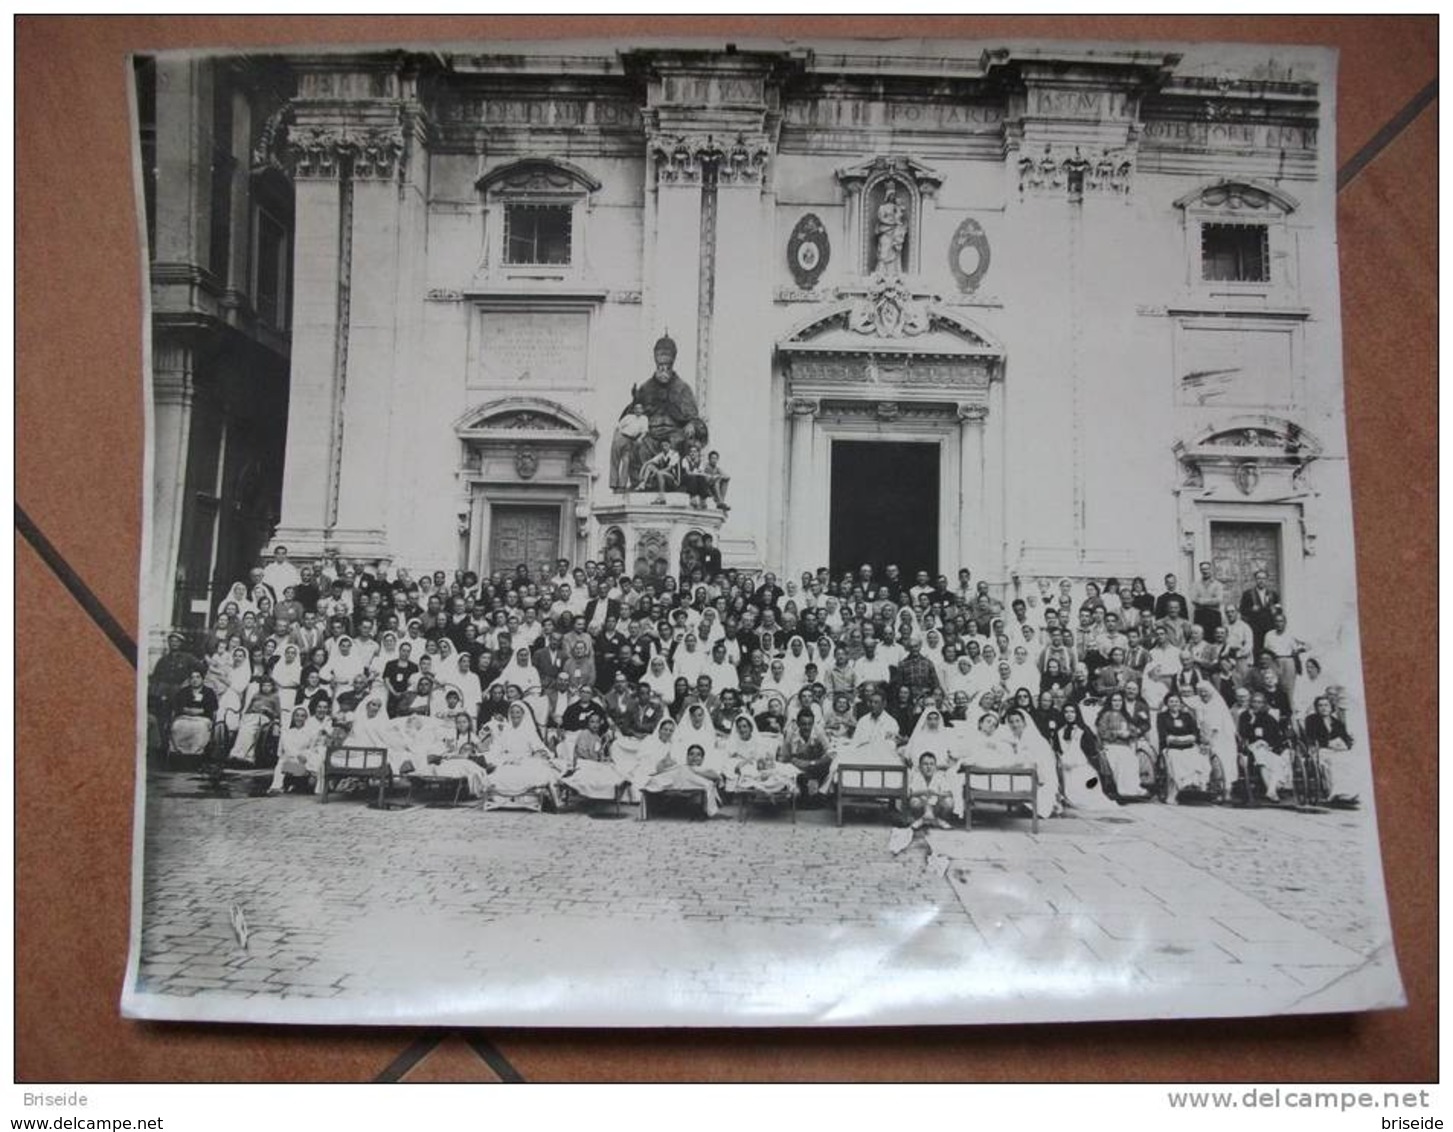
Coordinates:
353	141
172	394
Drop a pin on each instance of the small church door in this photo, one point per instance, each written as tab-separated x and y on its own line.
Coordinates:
527	536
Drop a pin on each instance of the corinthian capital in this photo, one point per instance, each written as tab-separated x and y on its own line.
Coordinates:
683	159
323	152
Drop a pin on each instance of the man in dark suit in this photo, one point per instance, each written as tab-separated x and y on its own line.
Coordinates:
549	658
1258	606
599	610
710	558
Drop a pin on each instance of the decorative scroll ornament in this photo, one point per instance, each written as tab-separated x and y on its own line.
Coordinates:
318	152
968	254
888	310
808	251
1075	173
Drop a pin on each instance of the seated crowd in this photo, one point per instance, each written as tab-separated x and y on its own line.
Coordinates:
591	683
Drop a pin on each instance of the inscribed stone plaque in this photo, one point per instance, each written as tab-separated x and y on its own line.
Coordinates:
1233	364
531	349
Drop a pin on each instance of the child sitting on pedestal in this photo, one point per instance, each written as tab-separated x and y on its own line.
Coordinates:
663	473
716	480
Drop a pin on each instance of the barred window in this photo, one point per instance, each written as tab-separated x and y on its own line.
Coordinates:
537	234
1235	253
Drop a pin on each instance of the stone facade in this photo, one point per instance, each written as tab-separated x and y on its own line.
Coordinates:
219	241
1098	280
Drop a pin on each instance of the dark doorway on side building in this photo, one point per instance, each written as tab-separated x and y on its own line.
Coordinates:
884	506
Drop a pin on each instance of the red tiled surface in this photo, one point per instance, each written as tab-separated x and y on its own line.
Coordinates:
79	478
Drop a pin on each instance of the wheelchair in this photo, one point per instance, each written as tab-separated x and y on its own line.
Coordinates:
1159	789
1214	793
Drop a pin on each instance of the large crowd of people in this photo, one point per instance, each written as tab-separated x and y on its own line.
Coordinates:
550	686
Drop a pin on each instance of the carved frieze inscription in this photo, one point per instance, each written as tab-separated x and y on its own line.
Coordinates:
840	113
531	349
900	372
1229	135
604	113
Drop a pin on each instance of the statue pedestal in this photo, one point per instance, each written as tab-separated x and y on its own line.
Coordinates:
641	533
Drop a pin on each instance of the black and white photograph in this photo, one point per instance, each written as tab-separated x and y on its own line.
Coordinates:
730	532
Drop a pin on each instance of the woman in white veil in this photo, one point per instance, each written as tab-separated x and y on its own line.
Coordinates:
689	659
467	681
1218	732
287	673
682	768
660	678
696	728
370	726
795	660
238	596
1312	682
932	735
520	759
519	672
742	746
1033	749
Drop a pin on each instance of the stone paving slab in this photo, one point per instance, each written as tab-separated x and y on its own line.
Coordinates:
472	917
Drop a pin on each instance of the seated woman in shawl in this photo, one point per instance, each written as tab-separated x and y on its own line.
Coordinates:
742	746
519	760
592	774
193	715
300	750
1117	738
1188	764
1348	775
263	710
675	772
767	772
370	726
1080	764
450	749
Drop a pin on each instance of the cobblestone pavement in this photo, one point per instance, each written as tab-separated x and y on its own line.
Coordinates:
468	916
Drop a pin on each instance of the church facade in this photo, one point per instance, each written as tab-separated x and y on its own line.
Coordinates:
1031	311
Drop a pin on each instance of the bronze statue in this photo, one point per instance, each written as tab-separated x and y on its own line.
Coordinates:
662	416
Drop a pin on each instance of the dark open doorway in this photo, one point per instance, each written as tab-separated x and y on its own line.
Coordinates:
884	506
